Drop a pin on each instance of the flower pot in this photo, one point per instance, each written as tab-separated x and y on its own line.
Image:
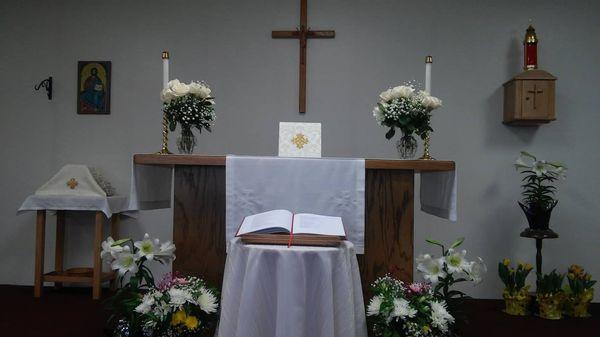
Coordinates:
186	141
407	146
550	305
577	305
537	217
516	304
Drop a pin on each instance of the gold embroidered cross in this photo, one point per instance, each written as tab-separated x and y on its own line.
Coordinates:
72	183
300	140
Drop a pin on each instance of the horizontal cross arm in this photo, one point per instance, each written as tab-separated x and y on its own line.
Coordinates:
321	34
285	34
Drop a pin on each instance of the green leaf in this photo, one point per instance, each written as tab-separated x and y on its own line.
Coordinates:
457	243
390	133
434	242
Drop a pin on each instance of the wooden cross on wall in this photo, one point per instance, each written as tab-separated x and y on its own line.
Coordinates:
302	34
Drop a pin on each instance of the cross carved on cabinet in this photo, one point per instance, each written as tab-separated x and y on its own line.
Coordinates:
535	91
302	34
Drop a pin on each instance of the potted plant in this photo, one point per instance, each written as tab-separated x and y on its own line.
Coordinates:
579	293
539	178
550	295
409	110
516	293
190	106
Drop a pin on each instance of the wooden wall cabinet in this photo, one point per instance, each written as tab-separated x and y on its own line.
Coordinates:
529	98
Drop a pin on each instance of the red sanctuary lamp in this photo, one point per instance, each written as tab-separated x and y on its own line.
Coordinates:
530	46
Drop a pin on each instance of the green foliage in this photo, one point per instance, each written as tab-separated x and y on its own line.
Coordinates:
513	278
578	280
550	284
190	111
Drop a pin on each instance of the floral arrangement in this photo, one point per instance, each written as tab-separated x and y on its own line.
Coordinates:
449	269
129	257
516	292
405	108
514	278
539	178
400	310
579	281
191	106
580	291
550	295
178	306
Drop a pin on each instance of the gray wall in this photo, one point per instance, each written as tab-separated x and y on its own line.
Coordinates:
476	47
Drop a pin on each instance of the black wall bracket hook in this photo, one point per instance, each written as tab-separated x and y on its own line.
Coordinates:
47	83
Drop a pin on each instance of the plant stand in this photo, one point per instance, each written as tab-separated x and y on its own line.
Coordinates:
539	236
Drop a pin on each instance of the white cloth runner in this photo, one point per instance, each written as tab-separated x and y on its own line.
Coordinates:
150	187
275	291
108	205
438	194
334	187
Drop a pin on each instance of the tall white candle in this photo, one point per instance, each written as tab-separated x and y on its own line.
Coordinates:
428	62
165	62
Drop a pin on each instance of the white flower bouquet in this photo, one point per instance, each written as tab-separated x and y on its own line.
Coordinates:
191	106
400	310
129	257
449	269
409	110
178	306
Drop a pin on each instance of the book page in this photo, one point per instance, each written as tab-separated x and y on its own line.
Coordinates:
305	223
277	221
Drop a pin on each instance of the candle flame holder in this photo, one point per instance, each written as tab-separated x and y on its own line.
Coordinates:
165	136
426	155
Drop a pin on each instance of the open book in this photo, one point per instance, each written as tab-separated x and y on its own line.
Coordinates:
300	227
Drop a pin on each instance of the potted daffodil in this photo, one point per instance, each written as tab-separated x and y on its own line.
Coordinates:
580	292
550	295
516	293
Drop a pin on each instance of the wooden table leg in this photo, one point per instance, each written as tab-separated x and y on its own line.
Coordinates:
40	238
60	245
114	233
98	237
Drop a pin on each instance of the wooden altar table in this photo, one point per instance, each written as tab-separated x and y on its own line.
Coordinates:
199	214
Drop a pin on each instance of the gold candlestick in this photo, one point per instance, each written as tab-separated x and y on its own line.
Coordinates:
165	121
426	155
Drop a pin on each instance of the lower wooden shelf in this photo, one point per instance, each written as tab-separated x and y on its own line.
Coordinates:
77	275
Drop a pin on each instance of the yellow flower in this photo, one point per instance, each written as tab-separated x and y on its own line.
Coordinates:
178	317
571	276
588	277
426	328
191	322
506	262
528	266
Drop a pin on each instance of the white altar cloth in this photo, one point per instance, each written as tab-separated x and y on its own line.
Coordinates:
108	205
275	291
325	186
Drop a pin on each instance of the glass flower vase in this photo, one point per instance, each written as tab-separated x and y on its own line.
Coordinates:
407	146
186	141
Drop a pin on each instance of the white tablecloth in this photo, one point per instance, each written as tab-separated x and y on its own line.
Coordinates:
325	186
275	291
108	205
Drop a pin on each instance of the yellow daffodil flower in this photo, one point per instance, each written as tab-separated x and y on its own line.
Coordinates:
178	318
191	322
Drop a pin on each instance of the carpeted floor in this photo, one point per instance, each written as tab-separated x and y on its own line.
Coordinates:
71	312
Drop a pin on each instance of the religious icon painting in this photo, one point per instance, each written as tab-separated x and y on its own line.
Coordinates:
93	87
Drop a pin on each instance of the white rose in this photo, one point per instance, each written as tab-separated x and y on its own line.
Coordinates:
179	89
431	102
199	89
386	96
166	95
402	91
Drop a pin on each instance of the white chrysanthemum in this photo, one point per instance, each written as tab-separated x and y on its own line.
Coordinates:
455	260
108	250
440	318
431	268
125	262
403	309
207	301
146	305
147	247
179	297
374	305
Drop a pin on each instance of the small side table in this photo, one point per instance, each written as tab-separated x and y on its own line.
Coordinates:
93	275
539	236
